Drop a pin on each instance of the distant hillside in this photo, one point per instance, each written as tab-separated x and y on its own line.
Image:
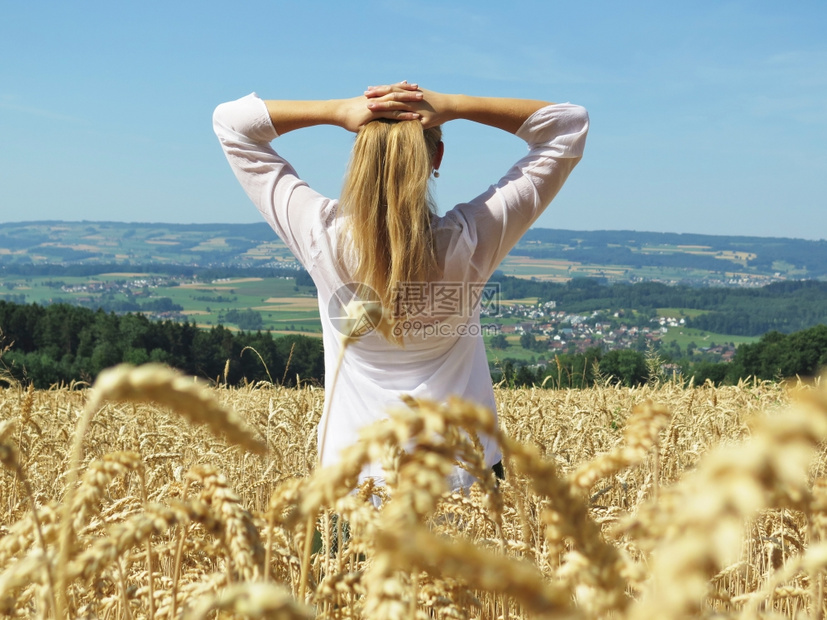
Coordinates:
543	254
767	255
139	243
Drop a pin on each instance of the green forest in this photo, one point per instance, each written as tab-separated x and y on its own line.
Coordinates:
60	343
775	356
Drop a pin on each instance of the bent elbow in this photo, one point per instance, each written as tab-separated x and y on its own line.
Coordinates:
221	118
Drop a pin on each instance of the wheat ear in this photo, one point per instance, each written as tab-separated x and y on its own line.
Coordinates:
251	600
148	383
164	386
8	458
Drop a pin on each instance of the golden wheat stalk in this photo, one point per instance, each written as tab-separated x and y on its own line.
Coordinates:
148	383
466	562
155	383
641	433
95	481
701	530
241	537
251	600
8	458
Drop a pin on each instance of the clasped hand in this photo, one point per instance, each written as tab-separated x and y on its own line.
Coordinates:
401	101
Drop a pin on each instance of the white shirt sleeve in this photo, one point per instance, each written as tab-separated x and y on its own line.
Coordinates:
287	203
496	220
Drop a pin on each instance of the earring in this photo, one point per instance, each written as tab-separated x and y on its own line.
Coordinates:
436	174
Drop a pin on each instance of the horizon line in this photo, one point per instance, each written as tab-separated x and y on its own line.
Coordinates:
263	223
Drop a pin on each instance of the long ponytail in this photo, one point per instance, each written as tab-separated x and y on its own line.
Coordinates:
388	211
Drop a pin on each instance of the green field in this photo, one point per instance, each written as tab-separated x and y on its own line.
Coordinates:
514	352
282	305
680	312
557	270
686	335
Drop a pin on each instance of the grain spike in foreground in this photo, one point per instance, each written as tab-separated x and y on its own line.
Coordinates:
150	383
162	385
252	600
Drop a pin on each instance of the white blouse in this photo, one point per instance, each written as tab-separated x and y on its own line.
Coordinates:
440	358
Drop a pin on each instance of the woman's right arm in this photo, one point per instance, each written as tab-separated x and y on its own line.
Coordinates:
502	113
555	134
438	108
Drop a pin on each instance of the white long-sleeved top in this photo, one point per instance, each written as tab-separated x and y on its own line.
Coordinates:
471	240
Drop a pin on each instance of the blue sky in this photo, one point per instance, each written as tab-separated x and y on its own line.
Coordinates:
706	117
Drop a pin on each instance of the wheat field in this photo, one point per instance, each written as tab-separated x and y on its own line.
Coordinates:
150	495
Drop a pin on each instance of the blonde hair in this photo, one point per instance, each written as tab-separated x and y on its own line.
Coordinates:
388	209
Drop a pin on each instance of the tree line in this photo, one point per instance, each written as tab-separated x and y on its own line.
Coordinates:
61	343
775	356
